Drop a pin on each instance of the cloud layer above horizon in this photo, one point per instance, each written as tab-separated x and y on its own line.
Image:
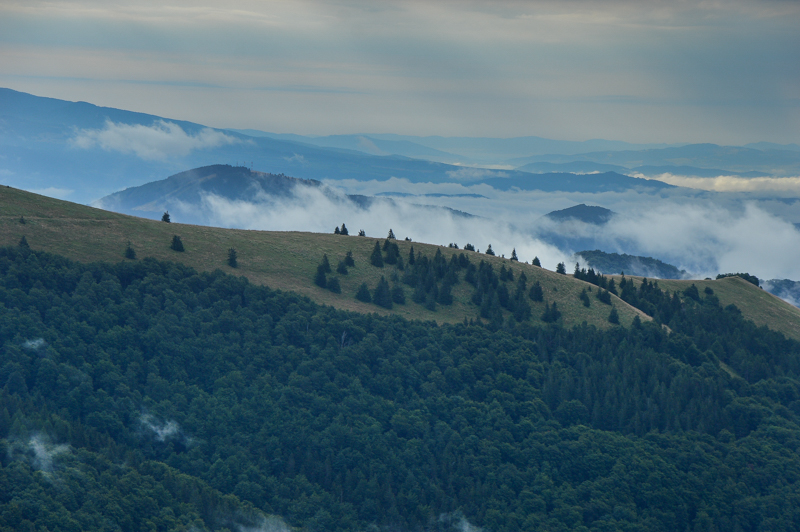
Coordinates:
723	72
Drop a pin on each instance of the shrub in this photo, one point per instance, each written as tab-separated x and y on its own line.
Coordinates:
363	293
176	245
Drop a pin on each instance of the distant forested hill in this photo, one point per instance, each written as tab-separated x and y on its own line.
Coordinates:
615	263
143	395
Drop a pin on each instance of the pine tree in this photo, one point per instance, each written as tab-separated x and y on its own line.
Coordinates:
561	268
361	232
536	262
341	268
333	285
382	295
165	217
23	242
320	279
363	293
391	234
326	266
613	317
536	293
398	295
130	253
22	220
232	262
376	259
469	247
411	256
514	254
343	230
348	259
336	230
584	297
489	250
176	245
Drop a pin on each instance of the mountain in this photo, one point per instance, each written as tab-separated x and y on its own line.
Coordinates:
615	263
577	167
785	289
589	183
729	158
83	152
589	214
655	171
145	388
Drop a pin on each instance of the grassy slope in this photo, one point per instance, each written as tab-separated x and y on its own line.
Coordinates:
281	260
756	304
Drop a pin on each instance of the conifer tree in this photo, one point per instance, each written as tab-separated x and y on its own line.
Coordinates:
333	285
165	217
536	262
343	230
514	254
363	293
561	268
22	220
613	317
361	232
341	268
130	253
320	279
469	247
584	297
489	250
348	259
398	295
232	262
382	295
326	266
411	256
536	293
177	244
391	234
336	230
23	242
376	259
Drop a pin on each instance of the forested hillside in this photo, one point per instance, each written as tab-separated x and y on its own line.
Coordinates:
144	395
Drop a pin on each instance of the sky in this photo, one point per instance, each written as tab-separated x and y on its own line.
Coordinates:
719	71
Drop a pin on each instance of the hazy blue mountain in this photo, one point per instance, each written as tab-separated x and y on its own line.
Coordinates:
735	158
576	167
772	146
785	289
693	171
605	182
366	144
615	263
590	214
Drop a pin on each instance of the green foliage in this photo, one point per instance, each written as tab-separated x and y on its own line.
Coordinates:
382	295
551	313
177	244
561	268
376	259
746	276
536	262
320	278
489	250
363	293
469	247
171	400
613	316
514	254
341	268
343	230
348	260
391	235
584	297
165	217
23	243
232	260
333	285
22	220
130	253
325	264
604	296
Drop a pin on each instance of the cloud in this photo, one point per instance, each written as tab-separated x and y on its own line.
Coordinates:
35	344
726	183
474	174
53	192
160	141
161	430
39	451
315	210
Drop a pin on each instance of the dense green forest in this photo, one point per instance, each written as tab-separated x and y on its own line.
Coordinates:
145	396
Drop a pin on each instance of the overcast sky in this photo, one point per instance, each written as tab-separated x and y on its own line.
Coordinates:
717	71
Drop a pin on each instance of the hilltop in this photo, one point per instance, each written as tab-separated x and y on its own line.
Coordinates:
280	260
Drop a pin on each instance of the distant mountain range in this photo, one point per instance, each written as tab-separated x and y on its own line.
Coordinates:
590	214
83	152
